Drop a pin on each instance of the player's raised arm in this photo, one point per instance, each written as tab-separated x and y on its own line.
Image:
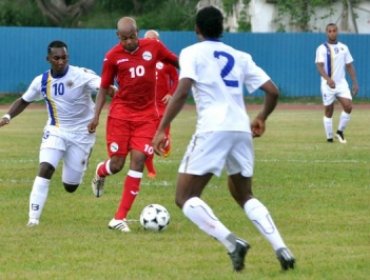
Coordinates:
15	109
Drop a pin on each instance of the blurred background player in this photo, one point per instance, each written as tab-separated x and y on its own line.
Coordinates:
67	91
216	73
132	117
332	60
167	79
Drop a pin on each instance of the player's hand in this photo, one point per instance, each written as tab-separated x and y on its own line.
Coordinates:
354	90
91	127
166	98
112	91
159	143
258	127
330	83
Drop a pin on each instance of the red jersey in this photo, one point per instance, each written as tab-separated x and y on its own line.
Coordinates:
135	74
167	80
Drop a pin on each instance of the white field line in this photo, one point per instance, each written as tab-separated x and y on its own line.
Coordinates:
169	161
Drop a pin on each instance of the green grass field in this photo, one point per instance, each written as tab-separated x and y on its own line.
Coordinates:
318	194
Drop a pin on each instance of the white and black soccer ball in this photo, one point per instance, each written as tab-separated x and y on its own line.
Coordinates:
154	217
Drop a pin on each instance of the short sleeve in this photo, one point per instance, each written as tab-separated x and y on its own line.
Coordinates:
320	54
187	62
255	76
34	91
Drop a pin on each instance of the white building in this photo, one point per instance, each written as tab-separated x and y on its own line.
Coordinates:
264	17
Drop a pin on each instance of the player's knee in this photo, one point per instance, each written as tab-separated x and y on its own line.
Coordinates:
70	187
46	170
116	165
347	108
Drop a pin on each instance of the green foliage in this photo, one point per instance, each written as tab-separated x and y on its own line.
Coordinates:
298	11
162	15
317	193
20	13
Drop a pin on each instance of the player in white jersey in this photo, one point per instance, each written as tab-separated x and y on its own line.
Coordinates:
332	60
216	74
67	91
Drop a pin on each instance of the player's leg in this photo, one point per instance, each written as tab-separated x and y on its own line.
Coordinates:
49	159
328	99
204	157
346	101
328	121
117	138
239	165
140	144
262	219
131	185
75	163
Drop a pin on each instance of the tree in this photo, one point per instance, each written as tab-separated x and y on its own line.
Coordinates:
62	12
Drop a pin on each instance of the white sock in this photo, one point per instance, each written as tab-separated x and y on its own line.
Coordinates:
202	215
261	218
38	197
328	125
343	120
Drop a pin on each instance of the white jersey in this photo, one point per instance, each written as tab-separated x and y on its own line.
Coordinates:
335	57
219	73
68	98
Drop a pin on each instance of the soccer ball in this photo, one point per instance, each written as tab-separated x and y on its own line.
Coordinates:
154	217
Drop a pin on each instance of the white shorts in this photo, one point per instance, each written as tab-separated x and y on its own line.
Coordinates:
74	149
329	95
210	152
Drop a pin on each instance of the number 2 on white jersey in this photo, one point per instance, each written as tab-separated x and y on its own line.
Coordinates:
227	67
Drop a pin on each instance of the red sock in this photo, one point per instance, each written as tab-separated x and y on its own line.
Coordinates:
103	169
149	163
131	189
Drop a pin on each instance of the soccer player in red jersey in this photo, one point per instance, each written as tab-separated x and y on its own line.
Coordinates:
167	79
132	118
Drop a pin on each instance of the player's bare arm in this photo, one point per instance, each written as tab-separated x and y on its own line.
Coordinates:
15	109
99	104
173	108
271	97
352	73
320	68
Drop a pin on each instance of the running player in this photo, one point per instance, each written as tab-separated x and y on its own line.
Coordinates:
223	138
333	58
67	91
167	79
132	118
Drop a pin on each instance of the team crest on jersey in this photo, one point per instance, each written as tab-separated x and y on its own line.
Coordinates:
70	84
147	55
113	147
46	134
159	65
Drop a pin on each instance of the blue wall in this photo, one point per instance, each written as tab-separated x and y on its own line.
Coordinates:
287	57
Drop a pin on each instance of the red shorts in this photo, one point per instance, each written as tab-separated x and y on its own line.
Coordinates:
124	136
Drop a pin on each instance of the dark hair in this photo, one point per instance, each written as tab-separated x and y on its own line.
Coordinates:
209	21
57	44
331	25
